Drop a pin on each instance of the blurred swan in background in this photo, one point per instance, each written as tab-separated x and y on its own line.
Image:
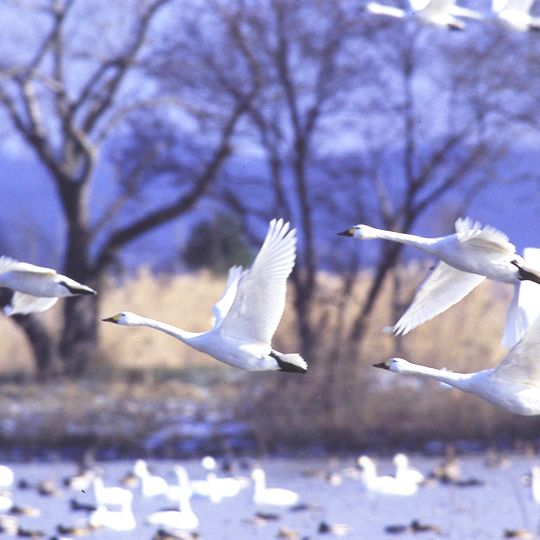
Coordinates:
513	384
183	519
466	259
215	488
151	485
383	485
440	13
35	288
117	520
6	476
271	496
247	315
110	494
404	471
514	15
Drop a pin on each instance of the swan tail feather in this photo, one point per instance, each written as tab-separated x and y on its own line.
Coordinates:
293	362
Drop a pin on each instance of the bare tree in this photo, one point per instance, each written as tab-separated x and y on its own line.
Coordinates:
68	94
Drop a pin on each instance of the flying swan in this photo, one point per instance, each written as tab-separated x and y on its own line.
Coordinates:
441	13
247	315
35	288
514	15
466	259
513	384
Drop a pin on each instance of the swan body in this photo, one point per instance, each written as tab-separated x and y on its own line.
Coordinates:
215	488
513	384
404	472
271	496
182	489
439	13
6	476
466	259
117	520
35	288
384	485
111	494
514	15
247	315
183	519
151	485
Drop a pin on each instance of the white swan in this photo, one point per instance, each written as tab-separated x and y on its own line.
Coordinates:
440	13
182	489
513	384
404	472
383	485
117	520
6	476
514	15
248	313
271	496
466	259
214	487
35	288
110	494
151	485
183	519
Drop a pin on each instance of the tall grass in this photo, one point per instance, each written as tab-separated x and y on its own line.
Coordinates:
342	400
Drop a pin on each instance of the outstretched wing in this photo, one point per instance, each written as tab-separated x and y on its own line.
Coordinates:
22	304
11	265
381	9
445	287
223	305
521	6
483	237
437	6
522	364
260	298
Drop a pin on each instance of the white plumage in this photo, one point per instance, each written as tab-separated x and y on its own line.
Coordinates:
247	315
35	288
265	496
514	15
513	384
466	259
384	485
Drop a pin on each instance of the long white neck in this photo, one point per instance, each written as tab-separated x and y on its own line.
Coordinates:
403	238
458	380
178	333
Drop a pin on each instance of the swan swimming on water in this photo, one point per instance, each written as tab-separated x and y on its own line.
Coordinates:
384	485
247	315
466	259
35	288
404	471
441	13
271	496
513	384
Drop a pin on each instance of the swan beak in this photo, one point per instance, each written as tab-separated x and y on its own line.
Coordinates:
348	232
113	319
382	365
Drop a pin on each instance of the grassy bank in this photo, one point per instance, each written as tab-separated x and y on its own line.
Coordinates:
342	402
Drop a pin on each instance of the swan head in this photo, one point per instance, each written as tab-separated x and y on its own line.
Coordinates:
208	463
348	232
140	468
401	460
124	317
398	365
257	474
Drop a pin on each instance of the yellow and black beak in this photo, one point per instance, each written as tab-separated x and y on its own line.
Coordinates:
382	365
113	319
348	232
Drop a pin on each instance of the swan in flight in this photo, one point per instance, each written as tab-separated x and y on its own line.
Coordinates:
35	288
466	259
248	313
513	384
514	15
271	496
441	13
384	485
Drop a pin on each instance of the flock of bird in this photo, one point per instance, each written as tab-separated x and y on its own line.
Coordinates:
510	14
110	507
248	313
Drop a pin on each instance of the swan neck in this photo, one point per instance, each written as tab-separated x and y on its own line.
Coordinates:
404	238
458	380
182	335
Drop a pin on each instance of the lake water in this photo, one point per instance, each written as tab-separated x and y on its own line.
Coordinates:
503	502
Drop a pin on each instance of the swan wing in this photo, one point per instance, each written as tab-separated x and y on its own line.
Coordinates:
522	364
22	304
483	237
445	287
260	299
521	6
11	265
438	6
223	305
380	9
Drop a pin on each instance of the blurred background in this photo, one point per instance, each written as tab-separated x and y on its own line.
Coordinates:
145	145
